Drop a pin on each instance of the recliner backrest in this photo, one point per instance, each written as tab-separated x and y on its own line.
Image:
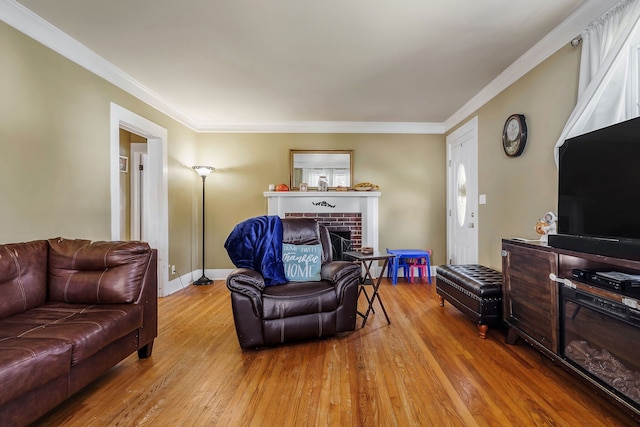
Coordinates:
307	231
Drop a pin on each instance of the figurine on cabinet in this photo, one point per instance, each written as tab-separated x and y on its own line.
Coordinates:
547	225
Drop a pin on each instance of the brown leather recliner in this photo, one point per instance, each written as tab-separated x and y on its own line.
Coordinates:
267	315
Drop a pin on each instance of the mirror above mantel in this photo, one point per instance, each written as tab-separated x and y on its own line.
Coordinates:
307	166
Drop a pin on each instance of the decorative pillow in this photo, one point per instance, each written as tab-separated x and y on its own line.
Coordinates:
302	263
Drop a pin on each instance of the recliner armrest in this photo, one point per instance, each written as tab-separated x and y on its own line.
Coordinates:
249	283
341	273
334	271
246	281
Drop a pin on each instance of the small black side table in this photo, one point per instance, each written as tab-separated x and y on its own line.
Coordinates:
368	279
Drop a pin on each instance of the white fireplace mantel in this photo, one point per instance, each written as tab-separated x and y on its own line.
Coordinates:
365	202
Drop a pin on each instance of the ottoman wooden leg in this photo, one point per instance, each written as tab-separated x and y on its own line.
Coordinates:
482	330
441	301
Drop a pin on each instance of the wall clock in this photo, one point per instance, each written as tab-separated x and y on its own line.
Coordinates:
514	135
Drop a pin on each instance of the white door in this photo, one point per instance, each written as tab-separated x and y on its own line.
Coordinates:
139	193
462	194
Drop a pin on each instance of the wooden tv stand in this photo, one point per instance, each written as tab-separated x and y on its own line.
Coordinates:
534	306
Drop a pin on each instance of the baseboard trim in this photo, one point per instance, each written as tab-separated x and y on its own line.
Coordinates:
181	282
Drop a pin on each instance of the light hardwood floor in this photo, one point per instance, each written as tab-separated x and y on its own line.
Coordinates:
427	368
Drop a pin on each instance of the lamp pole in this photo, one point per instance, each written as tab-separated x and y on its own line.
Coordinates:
204	172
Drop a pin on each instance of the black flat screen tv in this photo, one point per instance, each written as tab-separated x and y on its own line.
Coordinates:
599	192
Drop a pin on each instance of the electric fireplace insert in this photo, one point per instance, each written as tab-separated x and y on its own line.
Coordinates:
601	338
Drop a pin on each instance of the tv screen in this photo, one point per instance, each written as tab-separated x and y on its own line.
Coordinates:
599	183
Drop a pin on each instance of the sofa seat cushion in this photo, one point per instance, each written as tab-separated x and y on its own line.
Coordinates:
27	363
88	328
298	298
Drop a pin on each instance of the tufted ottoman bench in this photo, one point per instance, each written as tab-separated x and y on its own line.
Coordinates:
475	290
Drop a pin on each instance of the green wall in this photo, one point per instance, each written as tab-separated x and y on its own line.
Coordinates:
54	167
54	150
520	190
410	170
54	162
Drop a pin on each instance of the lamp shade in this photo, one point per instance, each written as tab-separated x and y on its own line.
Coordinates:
203	171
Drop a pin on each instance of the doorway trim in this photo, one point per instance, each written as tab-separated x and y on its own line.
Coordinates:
156	136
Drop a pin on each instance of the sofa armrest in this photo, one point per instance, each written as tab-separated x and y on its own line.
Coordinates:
341	274
149	300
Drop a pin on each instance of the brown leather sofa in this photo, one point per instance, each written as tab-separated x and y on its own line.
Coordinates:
69	311
267	315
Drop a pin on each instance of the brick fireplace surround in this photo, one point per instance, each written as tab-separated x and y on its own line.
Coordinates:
344	221
354	211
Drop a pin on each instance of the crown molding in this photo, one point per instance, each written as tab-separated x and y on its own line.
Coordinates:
324	127
551	43
32	25
27	22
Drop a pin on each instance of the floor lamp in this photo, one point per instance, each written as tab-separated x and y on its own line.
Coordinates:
204	172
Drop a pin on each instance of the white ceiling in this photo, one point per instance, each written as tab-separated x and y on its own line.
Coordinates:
257	61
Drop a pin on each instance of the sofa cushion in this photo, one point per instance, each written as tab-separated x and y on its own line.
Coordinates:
88	328
29	363
302	263
24	276
298	298
85	272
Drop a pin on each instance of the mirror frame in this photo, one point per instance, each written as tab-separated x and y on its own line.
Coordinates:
292	153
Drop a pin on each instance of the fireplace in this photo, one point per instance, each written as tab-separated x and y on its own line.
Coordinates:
600	337
340	243
340	211
347	225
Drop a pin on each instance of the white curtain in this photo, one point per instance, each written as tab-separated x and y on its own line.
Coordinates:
335	177
608	83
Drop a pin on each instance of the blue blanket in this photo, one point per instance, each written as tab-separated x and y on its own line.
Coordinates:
257	244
